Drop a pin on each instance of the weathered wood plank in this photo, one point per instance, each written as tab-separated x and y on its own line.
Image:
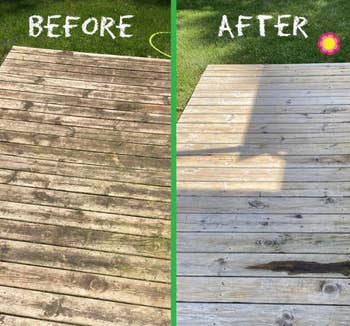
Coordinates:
270	101
80	85
278	186
21	70
264	128
83	93
264	290
263	265
83	157
276	138
267	118
99	56
86	171
23	321
76	237
311	65
87	70
128	112
272	93
91	312
53	98
235	160
66	128
85	260
207	314
82	185
88	145
255	175
261	222
85	86
270	73
267	109
331	243
256	149
291	205
85	284
90	220
275	80
302	85
118	63
281	66
94	203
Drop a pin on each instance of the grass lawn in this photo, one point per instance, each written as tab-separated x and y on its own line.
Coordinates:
150	16
199	45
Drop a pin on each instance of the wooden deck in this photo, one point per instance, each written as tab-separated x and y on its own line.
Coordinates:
84	189
264	197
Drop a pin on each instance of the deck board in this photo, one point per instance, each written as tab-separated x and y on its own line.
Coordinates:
263	200
84	189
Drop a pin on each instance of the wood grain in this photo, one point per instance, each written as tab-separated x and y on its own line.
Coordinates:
262	207
84	189
205	314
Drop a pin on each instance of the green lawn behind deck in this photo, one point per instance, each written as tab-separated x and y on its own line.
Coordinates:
198	44
150	16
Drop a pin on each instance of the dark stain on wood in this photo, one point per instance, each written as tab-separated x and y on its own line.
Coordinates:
91	283
54	308
329	200
330	288
333	110
257	204
294	267
28	104
39	80
66	53
286	319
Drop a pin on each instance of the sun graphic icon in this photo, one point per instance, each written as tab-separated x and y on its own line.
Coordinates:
329	43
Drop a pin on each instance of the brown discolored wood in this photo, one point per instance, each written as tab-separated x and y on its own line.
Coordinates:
85	260
77	310
87	171
84	189
78	237
22	321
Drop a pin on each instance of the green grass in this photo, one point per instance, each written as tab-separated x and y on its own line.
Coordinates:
198	44
150	16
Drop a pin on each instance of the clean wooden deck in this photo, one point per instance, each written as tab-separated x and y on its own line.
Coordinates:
264	197
84	189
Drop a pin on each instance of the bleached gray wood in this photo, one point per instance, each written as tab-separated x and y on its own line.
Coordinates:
263	171
209	314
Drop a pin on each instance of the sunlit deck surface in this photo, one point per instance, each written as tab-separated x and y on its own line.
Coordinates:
84	189
263	197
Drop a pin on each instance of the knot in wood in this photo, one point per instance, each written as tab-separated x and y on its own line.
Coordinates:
257	204
268	243
330	288
47	234
54	308
98	285
329	200
286	319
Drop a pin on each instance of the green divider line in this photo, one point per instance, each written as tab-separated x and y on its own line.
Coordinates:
173	162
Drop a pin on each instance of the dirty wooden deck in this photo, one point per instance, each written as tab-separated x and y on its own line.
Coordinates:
264	197
84	189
